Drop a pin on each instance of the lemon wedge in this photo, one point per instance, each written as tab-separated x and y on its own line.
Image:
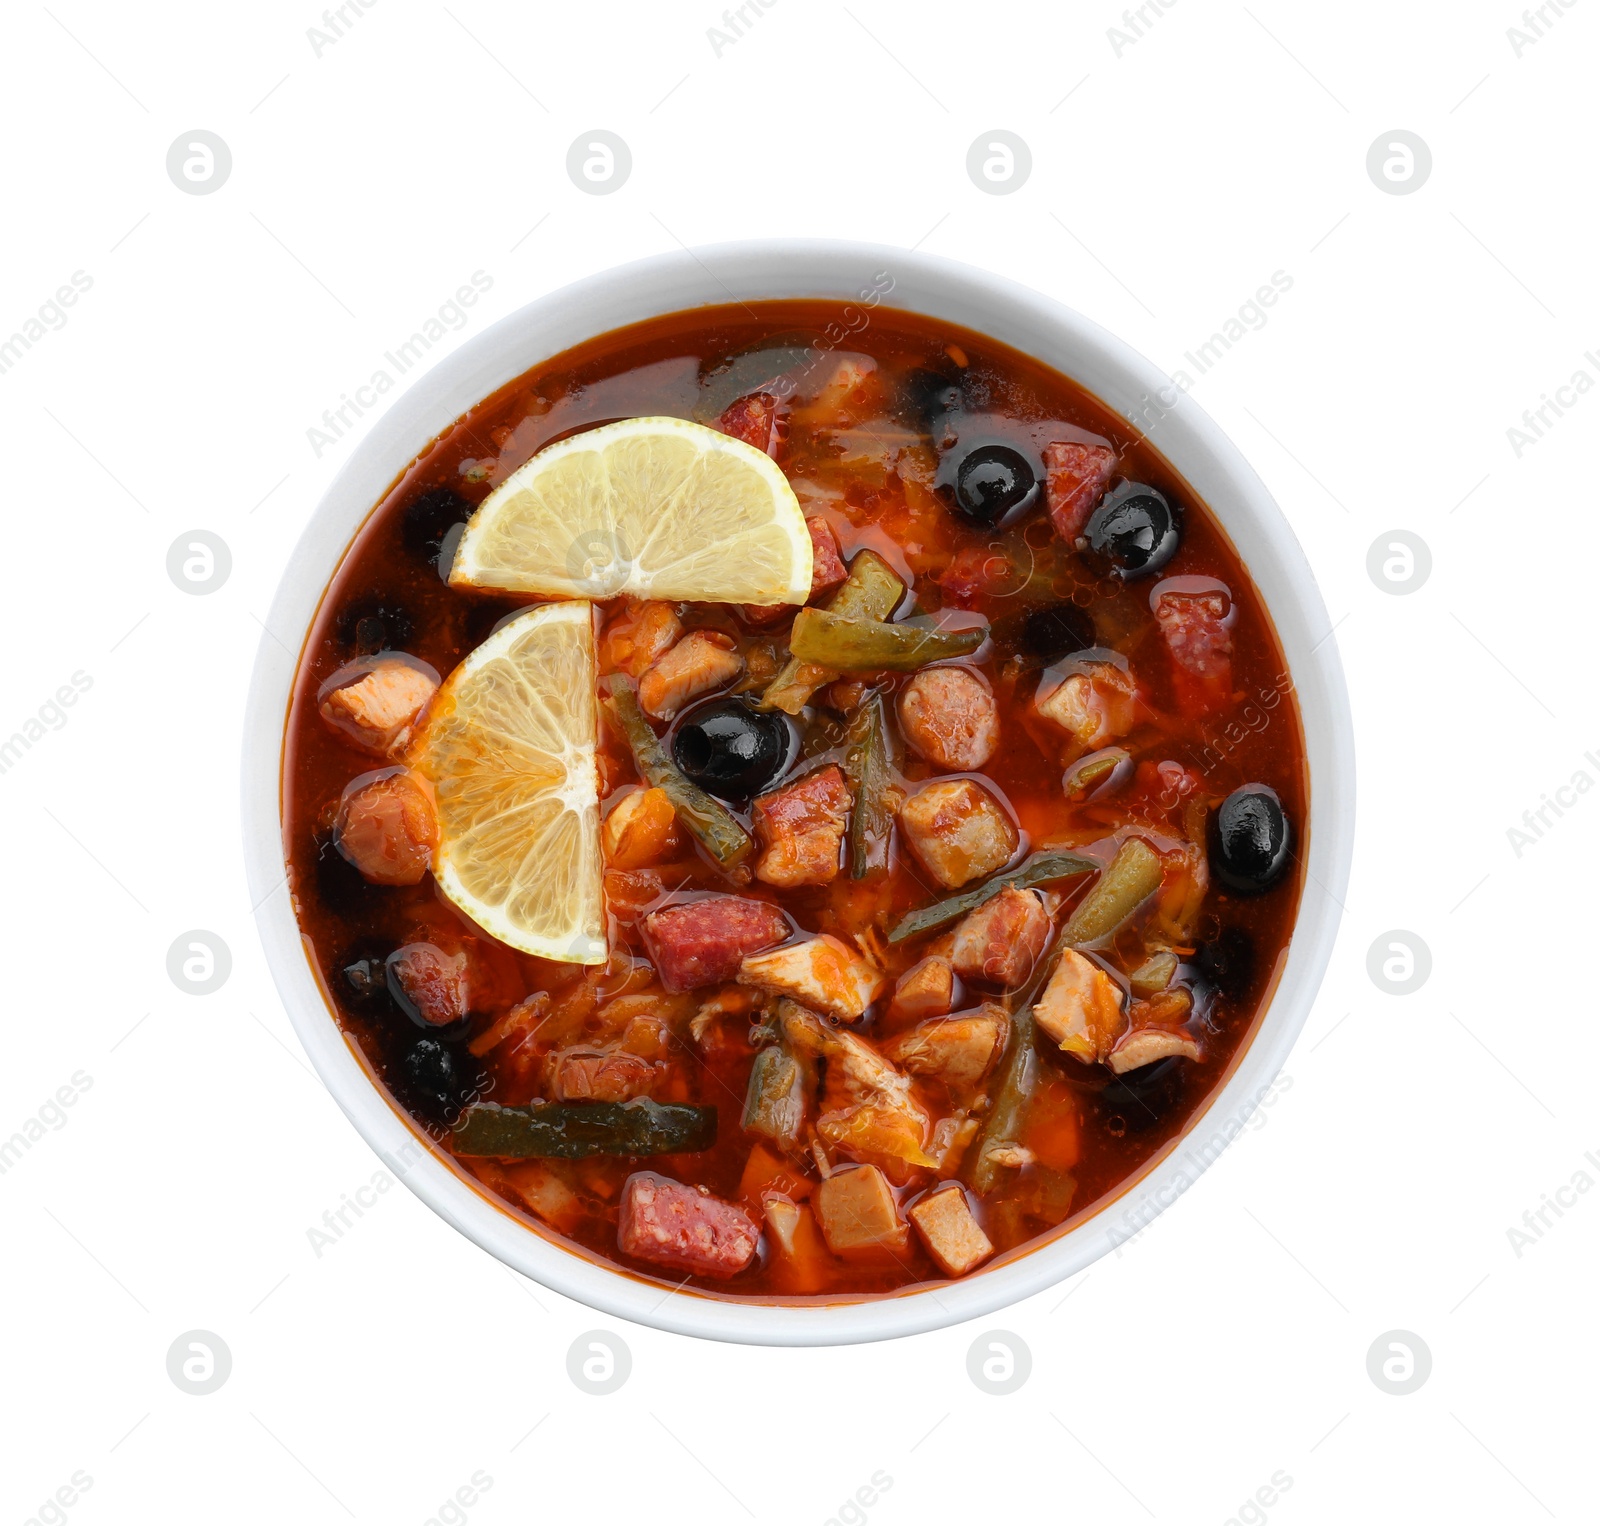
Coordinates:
657	507
509	747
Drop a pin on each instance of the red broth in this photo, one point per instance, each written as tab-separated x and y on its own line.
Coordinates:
869	429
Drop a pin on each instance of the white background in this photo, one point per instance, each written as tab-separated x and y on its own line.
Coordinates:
1169	181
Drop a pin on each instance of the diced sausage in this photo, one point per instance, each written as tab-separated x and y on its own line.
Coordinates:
927	989
1081	1008
1200	644
685	1228
751	419
376	702
801	827
949	717
958	830
999	941
944	1222
827	564
976	572
643	632
702	943
387	827
1075	478
820	973
702	661
435	983
1097	705
960	1051
857	1213
640	829
599	1075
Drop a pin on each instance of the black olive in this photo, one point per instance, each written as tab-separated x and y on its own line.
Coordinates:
359	979
1228	961
1142	1098
374	624
434	1080
343	889
1051	633
428	520
993	481
1135	529
731	750
1250	840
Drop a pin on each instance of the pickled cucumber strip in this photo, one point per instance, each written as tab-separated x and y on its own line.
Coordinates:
572	1130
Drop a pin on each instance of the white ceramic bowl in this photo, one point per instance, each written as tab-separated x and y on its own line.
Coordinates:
944	290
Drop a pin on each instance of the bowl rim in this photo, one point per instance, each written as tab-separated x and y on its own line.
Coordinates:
942	289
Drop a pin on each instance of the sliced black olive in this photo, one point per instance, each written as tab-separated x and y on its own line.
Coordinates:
1135	529
1056	630
435	1080
731	750
1228	961
994	481
377	624
428	520
359	978
1141	1098
1250	840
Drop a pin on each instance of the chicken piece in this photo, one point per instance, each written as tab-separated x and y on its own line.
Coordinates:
702	661
1195	626
703	943
857	1213
958	830
820	973
376	702
640	829
434	983
944	1222
544	1194
1097	705
927	989
751	419
599	1075
800	828
1146	1045
1081	1008
1075	478
949	1141
1000	940
684	1228
387	827
641	633
949	717
960	1051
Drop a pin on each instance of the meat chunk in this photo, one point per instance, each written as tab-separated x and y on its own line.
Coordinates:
820	973
435	983
644	631
1081	1008
999	941
1195	626
857	1212
376	702
703	943
599	1075
827	563
949	717
927	989
751	419
700	662
1075	478
1147	1045
958	830
387	827
1097	704
640	829
960	1051
944	1223
800	827
684	1228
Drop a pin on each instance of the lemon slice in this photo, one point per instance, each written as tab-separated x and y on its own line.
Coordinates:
657	507
509	746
